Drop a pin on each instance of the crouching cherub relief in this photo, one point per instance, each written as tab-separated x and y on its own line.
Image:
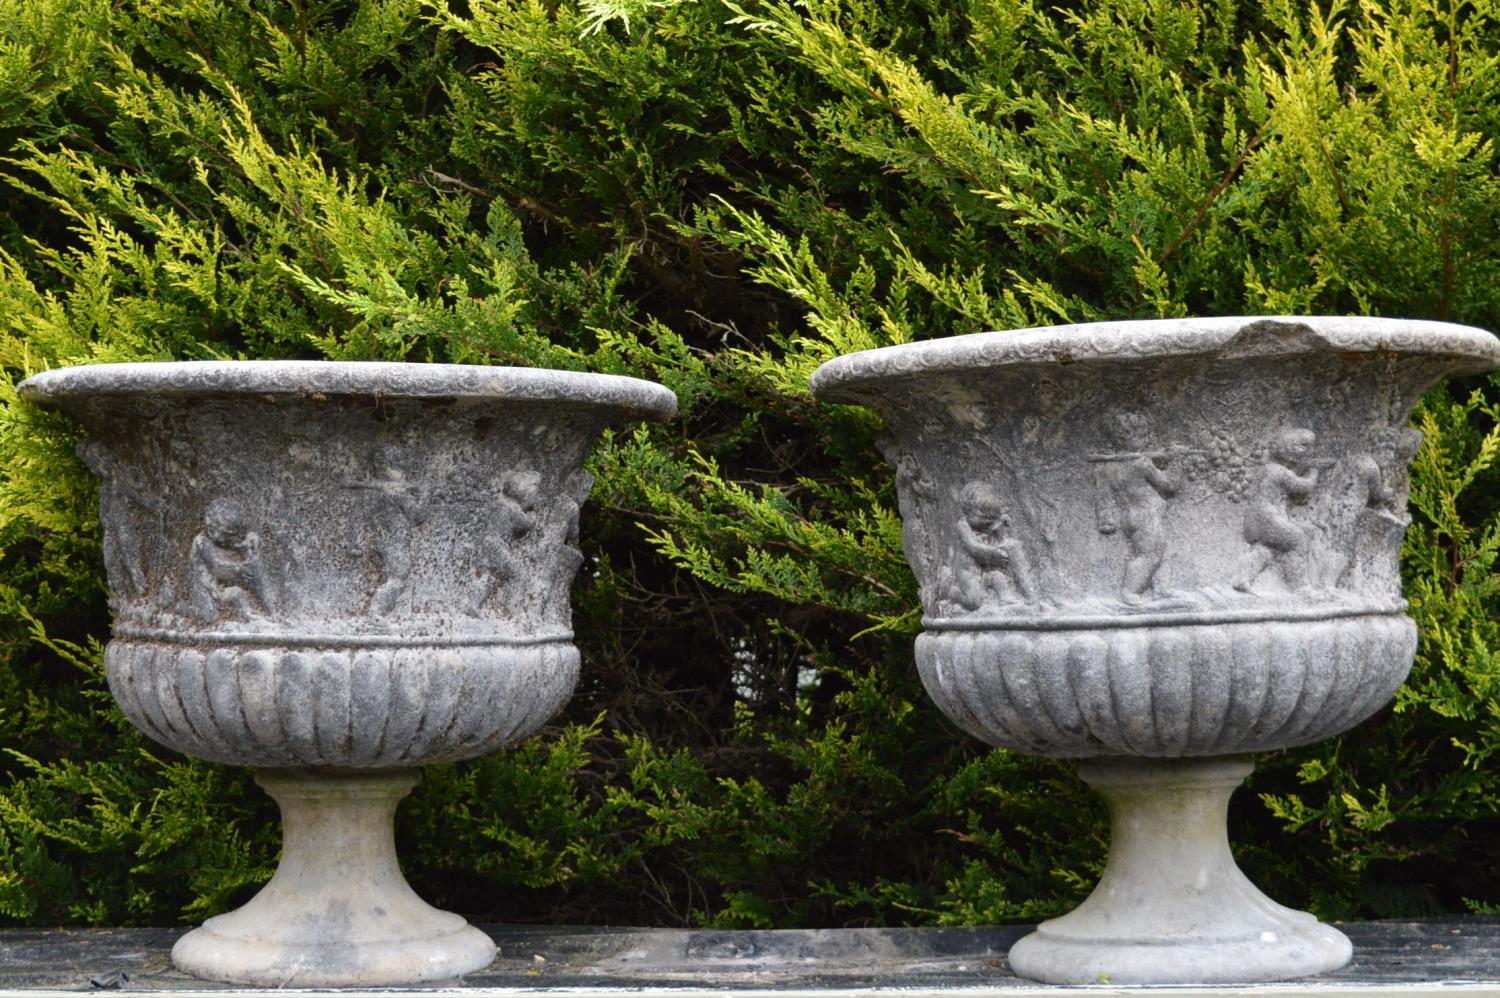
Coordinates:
1288	478
227	575
1385	474
991	569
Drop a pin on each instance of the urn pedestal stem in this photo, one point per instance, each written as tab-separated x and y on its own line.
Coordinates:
1172	907
338	910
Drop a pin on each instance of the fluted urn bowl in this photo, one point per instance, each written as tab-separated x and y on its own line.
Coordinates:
338	572
1158	547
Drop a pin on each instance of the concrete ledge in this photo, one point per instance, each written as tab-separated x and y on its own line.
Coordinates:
1392	960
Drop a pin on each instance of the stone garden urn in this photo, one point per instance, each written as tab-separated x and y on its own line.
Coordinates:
1160	547
336	573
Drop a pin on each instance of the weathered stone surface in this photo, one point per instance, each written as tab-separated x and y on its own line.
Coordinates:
1170	876
1180	690
371	707
338	912
353	567
399	539
1408	958
1149	486
1161	540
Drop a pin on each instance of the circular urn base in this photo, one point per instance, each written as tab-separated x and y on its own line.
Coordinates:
338	912
1172	907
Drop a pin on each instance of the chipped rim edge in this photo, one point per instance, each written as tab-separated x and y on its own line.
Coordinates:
1473	349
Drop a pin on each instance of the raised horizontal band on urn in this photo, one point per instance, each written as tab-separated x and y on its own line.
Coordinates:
1175	618
310	640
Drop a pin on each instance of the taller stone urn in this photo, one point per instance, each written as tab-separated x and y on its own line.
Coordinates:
337	572
1159	547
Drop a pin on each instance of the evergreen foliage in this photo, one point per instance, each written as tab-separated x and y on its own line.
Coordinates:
719	195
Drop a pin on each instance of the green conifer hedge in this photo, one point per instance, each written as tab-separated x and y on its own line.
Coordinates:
719	195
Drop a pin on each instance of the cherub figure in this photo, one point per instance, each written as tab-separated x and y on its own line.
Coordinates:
1135	485
992	568
399	507
1384	473
1381	518
561	533
515	517
1288	477
226	571
915	494
120	495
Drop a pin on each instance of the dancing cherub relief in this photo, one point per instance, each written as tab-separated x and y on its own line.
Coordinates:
1288	478
398	506
515	518
991	568
227	575
1134	485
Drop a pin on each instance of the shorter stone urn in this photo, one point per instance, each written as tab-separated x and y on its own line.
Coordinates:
337	572
1160	547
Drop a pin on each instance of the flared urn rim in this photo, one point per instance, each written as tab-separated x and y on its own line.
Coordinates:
1471	349
379	379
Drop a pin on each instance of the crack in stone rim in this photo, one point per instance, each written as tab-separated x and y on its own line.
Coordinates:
1469	348
1203	618
310	379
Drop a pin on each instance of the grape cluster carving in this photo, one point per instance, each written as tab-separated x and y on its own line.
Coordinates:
1224	466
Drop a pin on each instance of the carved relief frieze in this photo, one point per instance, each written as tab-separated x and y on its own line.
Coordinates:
394	504
128	509
1134	485
227	576
917	497
1193	501
190	544
1278	540
498	565
991	568
1380	518
561	556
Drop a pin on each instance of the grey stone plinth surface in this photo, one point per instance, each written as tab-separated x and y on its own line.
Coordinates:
1159	546
338	572
1439	957
1170	877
